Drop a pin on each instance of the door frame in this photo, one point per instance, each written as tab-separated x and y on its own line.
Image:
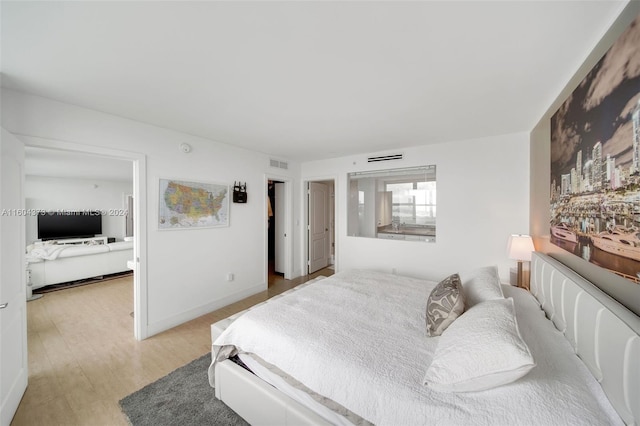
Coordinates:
14	318
305	212
140	285
288	228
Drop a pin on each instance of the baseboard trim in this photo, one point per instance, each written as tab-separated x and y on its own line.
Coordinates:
176	320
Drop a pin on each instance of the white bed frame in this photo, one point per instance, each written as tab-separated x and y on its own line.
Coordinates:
603	333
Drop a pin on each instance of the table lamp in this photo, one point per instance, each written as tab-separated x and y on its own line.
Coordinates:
520	248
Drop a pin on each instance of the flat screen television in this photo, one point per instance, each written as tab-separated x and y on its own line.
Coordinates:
69	224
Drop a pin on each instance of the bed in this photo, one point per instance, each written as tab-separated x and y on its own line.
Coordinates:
367	358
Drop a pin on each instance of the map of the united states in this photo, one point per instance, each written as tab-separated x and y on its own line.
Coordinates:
185	204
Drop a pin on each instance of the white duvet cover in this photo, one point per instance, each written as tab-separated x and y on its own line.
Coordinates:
359	339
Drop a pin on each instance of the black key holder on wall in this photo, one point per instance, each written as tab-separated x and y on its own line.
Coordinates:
239	192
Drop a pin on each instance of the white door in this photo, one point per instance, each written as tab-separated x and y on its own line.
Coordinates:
279	231
13	298
318	226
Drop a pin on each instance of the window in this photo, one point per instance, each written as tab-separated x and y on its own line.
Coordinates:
393	204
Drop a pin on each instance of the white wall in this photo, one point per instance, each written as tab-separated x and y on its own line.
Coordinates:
186	270
483	197
51	194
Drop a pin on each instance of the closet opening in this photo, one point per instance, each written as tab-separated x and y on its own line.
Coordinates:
276	230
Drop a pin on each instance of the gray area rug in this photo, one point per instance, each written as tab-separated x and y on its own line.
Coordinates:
183	397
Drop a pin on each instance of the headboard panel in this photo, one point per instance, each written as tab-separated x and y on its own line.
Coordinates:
604	334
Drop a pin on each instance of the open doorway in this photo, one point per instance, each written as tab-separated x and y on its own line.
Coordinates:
135	165
276	233
83	236
321	241
278	228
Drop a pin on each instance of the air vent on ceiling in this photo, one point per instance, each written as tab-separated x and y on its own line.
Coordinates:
279	164
385	158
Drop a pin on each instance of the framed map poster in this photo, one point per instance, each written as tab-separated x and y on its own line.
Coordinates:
191	205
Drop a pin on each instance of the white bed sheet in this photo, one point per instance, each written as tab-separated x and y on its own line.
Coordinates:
374	364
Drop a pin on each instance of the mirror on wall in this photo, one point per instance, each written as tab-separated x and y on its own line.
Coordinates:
397	204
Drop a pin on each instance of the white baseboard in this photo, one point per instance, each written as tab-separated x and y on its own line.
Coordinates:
176	320
297	273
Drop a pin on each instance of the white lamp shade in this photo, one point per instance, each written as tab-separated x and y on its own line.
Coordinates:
520	247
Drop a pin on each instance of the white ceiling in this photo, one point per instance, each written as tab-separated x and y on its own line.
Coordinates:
306	80
72	165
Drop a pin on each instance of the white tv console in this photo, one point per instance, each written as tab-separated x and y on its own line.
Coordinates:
91	240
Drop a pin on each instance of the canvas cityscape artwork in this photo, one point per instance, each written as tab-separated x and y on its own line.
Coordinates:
595	162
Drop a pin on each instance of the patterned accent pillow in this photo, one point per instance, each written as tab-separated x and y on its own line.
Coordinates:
445	304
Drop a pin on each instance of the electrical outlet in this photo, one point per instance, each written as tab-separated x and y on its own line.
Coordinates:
230	276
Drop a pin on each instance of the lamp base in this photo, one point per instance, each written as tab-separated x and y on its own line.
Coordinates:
513	276
520	276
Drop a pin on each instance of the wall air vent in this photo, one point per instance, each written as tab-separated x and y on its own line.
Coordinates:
279	164
390	157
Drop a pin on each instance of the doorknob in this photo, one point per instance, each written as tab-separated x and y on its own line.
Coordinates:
4	305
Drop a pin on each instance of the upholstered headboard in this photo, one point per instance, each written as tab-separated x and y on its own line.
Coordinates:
603	333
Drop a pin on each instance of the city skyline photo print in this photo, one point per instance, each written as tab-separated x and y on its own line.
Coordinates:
595	162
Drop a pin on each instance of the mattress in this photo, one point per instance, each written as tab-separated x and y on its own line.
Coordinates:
383	384
329	410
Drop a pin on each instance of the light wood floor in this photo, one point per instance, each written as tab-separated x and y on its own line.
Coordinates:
83	357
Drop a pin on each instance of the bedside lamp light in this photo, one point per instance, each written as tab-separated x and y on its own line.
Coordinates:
520	248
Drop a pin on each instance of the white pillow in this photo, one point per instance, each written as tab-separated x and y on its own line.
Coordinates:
480	350
481	284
